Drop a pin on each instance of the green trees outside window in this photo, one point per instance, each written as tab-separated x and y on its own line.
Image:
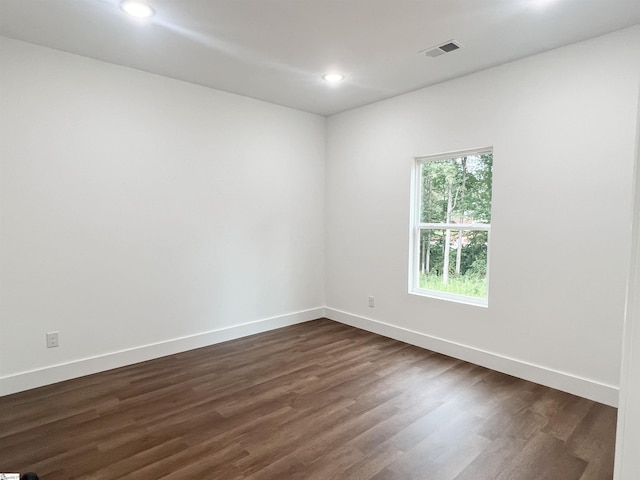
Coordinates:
453	223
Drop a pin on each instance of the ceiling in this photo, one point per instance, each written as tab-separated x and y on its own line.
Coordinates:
277	50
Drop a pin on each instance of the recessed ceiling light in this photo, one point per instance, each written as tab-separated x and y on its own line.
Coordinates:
137	9
333	77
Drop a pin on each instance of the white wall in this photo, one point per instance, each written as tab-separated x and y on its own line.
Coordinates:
563	128
139	213
628	432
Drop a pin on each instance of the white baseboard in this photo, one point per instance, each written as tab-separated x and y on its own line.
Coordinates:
87	366
607	394
583	387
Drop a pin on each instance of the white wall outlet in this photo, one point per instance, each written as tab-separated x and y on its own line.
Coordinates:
52	339
372	302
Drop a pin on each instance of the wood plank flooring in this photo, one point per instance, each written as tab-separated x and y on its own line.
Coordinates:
319	400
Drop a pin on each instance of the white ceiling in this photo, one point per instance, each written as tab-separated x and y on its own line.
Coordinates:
277	50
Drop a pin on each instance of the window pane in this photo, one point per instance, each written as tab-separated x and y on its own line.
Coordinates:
456	190
453	261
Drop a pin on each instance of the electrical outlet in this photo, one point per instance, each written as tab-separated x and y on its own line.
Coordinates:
52	339
372	302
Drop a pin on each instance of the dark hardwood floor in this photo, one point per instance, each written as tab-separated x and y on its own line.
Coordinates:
318	400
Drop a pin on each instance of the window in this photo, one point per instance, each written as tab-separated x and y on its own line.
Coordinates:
451	225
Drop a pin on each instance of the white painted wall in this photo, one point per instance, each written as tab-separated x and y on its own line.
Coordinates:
563	128
141	215
139	211
628	432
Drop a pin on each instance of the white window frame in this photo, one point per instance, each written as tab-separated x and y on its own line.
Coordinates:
416	226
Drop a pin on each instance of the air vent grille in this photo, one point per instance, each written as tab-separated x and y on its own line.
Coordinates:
447	47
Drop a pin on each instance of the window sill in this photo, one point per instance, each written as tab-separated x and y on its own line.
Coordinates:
451	297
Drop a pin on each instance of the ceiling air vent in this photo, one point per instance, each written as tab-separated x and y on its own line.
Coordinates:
447	47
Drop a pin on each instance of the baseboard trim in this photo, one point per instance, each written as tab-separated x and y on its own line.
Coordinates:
87	366
583	387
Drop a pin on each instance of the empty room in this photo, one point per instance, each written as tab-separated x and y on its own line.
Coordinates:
320	239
